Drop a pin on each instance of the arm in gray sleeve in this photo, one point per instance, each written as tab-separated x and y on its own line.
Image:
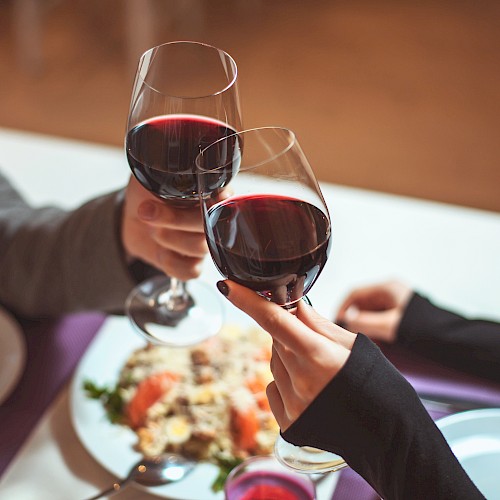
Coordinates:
54	261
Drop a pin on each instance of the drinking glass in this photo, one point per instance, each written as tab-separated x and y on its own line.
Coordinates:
184	97
263	478
268	230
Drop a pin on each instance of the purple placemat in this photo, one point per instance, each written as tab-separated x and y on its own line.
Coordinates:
351	486
53	351
431	378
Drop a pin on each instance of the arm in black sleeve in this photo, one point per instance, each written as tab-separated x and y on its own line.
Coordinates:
469	345
371	416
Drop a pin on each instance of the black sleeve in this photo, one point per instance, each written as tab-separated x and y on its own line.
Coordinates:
471	346
371	416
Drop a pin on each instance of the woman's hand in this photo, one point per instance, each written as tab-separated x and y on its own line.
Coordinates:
308	350
375	310
168	238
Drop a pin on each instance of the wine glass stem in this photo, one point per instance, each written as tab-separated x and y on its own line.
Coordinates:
178	287
292	308
176	297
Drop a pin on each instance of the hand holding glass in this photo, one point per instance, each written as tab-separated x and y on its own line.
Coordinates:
184	98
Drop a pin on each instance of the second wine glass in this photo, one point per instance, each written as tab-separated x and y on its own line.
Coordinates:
269	231
184	98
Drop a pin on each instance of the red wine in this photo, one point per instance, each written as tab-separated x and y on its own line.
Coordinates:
162	151
270	485
275	245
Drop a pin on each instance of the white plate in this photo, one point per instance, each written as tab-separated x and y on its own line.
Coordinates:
474	437
12	354
112	445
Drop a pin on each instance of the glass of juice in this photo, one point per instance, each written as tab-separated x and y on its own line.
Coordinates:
263	477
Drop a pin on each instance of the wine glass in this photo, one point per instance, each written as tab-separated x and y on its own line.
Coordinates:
268	230
262	477
184	97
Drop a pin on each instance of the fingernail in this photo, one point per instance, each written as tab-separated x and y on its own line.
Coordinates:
147	210
223	288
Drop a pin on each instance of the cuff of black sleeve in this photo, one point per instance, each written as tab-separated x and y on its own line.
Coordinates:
421	319
332	421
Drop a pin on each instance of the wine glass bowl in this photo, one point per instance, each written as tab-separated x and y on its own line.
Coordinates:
270	230
263	477
184	98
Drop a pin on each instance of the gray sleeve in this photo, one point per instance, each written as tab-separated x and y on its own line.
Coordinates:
54	261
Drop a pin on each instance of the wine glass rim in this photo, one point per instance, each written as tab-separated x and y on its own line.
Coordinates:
192	42
291	143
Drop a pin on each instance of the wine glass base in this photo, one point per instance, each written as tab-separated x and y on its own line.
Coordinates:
306	459
200	318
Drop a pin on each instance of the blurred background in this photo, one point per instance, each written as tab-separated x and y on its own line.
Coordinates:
395	96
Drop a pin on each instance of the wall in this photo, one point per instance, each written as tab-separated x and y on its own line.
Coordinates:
391	95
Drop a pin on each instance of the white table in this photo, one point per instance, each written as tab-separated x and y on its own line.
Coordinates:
450	253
